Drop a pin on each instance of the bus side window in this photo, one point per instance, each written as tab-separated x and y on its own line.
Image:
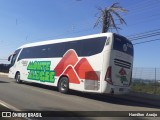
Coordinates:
56	50
25	53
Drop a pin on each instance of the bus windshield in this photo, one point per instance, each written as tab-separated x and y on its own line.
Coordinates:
14	57
122	44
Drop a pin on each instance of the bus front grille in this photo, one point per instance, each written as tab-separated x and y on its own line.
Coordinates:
122	63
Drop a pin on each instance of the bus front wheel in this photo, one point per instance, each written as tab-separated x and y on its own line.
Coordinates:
63	85
18	80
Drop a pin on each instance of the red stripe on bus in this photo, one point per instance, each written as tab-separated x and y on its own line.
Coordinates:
85	70
70	58
73	78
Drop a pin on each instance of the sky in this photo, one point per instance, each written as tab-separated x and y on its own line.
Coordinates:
25	21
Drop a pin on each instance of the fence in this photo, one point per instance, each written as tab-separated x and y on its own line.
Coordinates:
4	68
146	80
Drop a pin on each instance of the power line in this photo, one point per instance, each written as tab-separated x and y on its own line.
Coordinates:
145	36
146	21
140	4
146	41
149	6
150	31
140	7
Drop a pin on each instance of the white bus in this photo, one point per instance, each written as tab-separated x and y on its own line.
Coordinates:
100	63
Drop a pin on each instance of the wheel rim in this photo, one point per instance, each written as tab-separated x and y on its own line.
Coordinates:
64	85
18	78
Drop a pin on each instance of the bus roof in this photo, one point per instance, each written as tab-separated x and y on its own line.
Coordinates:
64	40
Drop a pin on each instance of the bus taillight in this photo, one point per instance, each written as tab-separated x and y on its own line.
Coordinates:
108	76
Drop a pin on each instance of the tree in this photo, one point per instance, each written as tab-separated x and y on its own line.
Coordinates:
107	17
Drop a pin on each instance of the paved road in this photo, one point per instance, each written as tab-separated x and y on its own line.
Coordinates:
29	96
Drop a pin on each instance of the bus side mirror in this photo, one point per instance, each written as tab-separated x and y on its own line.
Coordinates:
9	58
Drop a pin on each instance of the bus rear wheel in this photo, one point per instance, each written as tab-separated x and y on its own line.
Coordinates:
63	85
18	80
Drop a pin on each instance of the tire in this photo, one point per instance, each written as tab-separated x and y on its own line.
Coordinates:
63	85
18	78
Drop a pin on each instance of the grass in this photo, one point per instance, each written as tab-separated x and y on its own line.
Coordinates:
150	88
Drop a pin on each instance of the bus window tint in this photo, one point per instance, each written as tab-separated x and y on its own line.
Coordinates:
122	44
14	57
93	46
85	47
56	50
